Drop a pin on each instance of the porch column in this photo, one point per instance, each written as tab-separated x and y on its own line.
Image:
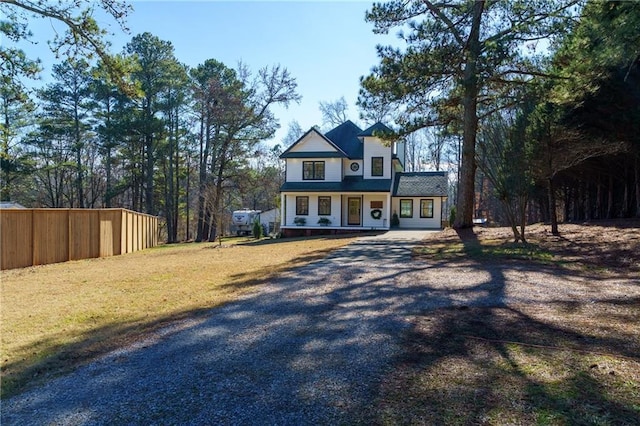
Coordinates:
283	209
389	210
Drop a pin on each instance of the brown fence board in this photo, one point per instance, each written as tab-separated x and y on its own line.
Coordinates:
84	234
42	236
16	239
110	232
50	236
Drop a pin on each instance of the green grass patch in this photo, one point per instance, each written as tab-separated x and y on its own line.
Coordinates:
484	250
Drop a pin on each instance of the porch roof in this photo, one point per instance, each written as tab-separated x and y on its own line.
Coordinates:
420	184
349	184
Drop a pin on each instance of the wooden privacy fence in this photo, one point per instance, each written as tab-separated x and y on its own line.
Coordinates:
41	236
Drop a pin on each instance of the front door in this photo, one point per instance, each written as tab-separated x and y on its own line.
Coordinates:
354	211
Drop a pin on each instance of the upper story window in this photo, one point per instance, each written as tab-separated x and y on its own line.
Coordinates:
313	170
377	166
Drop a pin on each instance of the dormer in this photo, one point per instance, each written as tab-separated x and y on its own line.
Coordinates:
380	158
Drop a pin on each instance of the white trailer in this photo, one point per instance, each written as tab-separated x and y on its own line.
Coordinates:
243	220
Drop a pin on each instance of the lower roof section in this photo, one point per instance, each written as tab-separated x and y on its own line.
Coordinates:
420	184
413	184
349	184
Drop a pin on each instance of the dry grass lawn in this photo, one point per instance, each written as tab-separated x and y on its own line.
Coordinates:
555	364
57	316
561	363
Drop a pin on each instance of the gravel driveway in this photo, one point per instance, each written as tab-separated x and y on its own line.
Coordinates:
307	349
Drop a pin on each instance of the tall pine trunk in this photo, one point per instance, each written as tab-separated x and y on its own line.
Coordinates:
148	175
204	213
108	195
598	209
610	198
78	150
169	188
466	184
202	177
553	214
637	184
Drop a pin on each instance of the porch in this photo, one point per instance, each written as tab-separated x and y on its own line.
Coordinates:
333	213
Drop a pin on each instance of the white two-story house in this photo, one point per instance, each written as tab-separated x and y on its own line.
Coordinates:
348	180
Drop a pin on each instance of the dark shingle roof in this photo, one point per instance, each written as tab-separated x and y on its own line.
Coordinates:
420	184
376	128
313	154
345	136
349	184
300	154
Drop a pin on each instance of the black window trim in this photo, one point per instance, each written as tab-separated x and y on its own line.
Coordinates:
432	208
300	197
401	214
313	170
381	166
324	214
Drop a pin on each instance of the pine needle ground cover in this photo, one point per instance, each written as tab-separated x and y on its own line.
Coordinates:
558	363
55	317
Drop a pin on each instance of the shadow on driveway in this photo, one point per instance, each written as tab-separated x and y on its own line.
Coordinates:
308	348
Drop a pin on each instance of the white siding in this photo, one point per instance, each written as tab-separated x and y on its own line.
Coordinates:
374	148
399	150
313	142
272	215
346	166
367	220
416	221
312	217
332	169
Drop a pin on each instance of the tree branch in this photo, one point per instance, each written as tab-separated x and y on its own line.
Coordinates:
437	12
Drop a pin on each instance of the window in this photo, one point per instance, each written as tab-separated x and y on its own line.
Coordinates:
302	206
377	168
426	208
313	170
376	204
406	208
324	206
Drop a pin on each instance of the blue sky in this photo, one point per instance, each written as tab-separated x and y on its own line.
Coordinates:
325	45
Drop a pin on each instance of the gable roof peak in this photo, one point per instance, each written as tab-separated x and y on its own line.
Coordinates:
346	125
288	152
378	127
345	136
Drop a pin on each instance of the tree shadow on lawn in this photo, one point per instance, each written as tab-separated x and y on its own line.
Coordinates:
298	329
334	324
488	361
51	359
269	241
601	246
512	365
563	362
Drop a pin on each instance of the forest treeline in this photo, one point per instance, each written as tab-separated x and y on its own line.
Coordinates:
541	97
182	143
534	134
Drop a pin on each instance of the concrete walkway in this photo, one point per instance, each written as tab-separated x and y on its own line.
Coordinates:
307	349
